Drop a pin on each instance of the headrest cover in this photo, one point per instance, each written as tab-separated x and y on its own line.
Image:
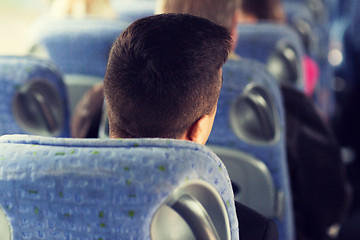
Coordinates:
38	108
99	189
33	97
285	65
253	116
78	46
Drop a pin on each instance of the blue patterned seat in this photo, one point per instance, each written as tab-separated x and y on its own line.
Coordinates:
133	10
277	46
57	188
319	9
299	17
248	136
80	47
316	42
33	97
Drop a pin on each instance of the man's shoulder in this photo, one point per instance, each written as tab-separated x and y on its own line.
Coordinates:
254	226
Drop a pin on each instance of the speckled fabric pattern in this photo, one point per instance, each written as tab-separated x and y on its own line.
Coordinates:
57	188
237	75
259	41
77	46
15	71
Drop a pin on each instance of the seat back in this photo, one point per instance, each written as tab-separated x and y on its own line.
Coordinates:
113	189
248	136
132	10
315	38
80	47
277	46
299	17
33	97
319	9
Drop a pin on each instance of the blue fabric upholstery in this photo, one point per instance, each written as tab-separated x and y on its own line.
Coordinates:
259	41
53	188
320	9
77	46
237	76
17	71
80	47
133	10
318	50
295	12
323	96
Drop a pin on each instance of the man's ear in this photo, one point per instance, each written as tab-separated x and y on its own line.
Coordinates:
200	130
197	130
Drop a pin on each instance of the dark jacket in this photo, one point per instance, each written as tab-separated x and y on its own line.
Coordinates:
317	173
253	226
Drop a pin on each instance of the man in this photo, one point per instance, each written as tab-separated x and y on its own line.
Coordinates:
163	79
87	115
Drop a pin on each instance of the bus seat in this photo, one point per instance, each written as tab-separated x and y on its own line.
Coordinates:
133	10
113	189
248	136
80	47
299	17
318	8
316	42
33	97
277	46
344	42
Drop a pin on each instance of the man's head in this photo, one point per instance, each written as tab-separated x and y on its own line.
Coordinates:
163	77
222	12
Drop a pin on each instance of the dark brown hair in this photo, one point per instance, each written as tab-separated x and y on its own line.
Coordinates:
163	75
271	10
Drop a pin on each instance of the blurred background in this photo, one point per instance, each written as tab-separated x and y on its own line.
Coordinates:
15	19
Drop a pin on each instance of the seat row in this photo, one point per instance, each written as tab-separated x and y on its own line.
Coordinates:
248	133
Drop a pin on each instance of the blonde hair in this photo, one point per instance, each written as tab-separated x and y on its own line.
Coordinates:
82	8
218	11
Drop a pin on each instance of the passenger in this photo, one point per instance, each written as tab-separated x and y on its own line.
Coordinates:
163	80
86	118
252	11
224	12
81	9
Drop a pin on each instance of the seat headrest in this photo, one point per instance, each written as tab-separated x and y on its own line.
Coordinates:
304	29
319	10
110	189
253	116
38	108
193	211
284	64
33	97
